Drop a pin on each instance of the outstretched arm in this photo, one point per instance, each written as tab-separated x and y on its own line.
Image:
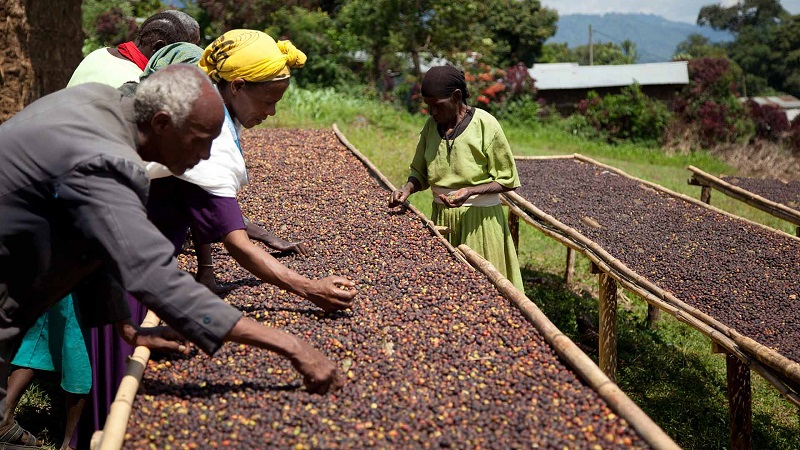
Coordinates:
326	293
110	212
319	374
259	234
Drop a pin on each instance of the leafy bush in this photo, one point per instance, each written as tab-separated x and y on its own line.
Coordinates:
507	94
793	138
708	105
770	121
628	116
315	34
578	125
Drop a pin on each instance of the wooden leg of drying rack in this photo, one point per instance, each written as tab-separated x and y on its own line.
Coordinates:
705	195
739	401
607	309
653	316
569	272
513	225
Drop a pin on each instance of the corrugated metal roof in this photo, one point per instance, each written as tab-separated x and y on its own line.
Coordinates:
574	76
781	101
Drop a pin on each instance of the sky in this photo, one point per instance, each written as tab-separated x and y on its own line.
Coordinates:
677	10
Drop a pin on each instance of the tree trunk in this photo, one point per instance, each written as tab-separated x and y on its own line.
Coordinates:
40	46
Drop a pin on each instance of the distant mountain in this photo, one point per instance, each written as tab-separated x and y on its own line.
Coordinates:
656	37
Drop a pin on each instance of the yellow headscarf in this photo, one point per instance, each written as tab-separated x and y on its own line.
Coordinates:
251	55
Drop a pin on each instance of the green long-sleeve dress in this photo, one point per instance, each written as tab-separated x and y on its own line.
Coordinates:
479	154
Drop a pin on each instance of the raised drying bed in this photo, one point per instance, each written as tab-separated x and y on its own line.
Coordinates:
434	354
732	279
776	197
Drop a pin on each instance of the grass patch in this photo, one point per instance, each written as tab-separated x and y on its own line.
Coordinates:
669	371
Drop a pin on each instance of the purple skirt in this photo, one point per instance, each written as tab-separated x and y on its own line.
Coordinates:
174	206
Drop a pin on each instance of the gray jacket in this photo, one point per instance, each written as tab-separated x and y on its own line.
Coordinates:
72	219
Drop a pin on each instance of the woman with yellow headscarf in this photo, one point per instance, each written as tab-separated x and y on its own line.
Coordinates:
252	73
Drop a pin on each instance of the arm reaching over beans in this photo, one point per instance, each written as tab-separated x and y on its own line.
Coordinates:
272	241
162	338
320	375
326	293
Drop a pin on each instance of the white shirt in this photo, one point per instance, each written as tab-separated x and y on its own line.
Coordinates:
224	173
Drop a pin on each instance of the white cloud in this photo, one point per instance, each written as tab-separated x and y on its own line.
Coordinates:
678	10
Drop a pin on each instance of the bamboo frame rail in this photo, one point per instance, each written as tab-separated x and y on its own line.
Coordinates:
779	210
574	356
113	434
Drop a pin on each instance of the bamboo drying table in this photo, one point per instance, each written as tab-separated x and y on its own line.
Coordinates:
742	352
707	182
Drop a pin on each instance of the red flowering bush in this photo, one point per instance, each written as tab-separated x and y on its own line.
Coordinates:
709	106
793	137
507	94
770	121
114	28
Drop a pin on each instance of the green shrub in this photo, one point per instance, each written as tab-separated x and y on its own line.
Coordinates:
628	116
522	110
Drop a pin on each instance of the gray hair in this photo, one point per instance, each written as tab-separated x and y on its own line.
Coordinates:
173	89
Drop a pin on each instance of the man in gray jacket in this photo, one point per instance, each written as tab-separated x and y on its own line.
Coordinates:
72	216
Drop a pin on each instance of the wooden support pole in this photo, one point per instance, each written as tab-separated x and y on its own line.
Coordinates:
513	225
569	272
739	402
653	315
607	310
705	195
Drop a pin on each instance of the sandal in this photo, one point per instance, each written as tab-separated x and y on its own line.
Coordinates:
17	438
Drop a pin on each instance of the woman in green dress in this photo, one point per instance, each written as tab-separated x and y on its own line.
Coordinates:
464	157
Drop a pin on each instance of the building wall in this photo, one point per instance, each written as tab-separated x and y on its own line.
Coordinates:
564	100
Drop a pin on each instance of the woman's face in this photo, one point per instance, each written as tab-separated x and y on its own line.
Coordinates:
252	103
443	110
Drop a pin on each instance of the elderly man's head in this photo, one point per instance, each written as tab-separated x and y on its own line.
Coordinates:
179	113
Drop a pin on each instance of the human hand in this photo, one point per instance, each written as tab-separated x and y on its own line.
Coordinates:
162	339
398	197
328	295
320	375
298	247
455	198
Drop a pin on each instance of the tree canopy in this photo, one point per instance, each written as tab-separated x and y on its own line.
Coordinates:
766	44
389	32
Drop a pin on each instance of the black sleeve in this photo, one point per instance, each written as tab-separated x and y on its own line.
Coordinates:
101	300
105	201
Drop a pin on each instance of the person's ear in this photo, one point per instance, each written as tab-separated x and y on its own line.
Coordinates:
161	123
237	85
456	96
158	45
